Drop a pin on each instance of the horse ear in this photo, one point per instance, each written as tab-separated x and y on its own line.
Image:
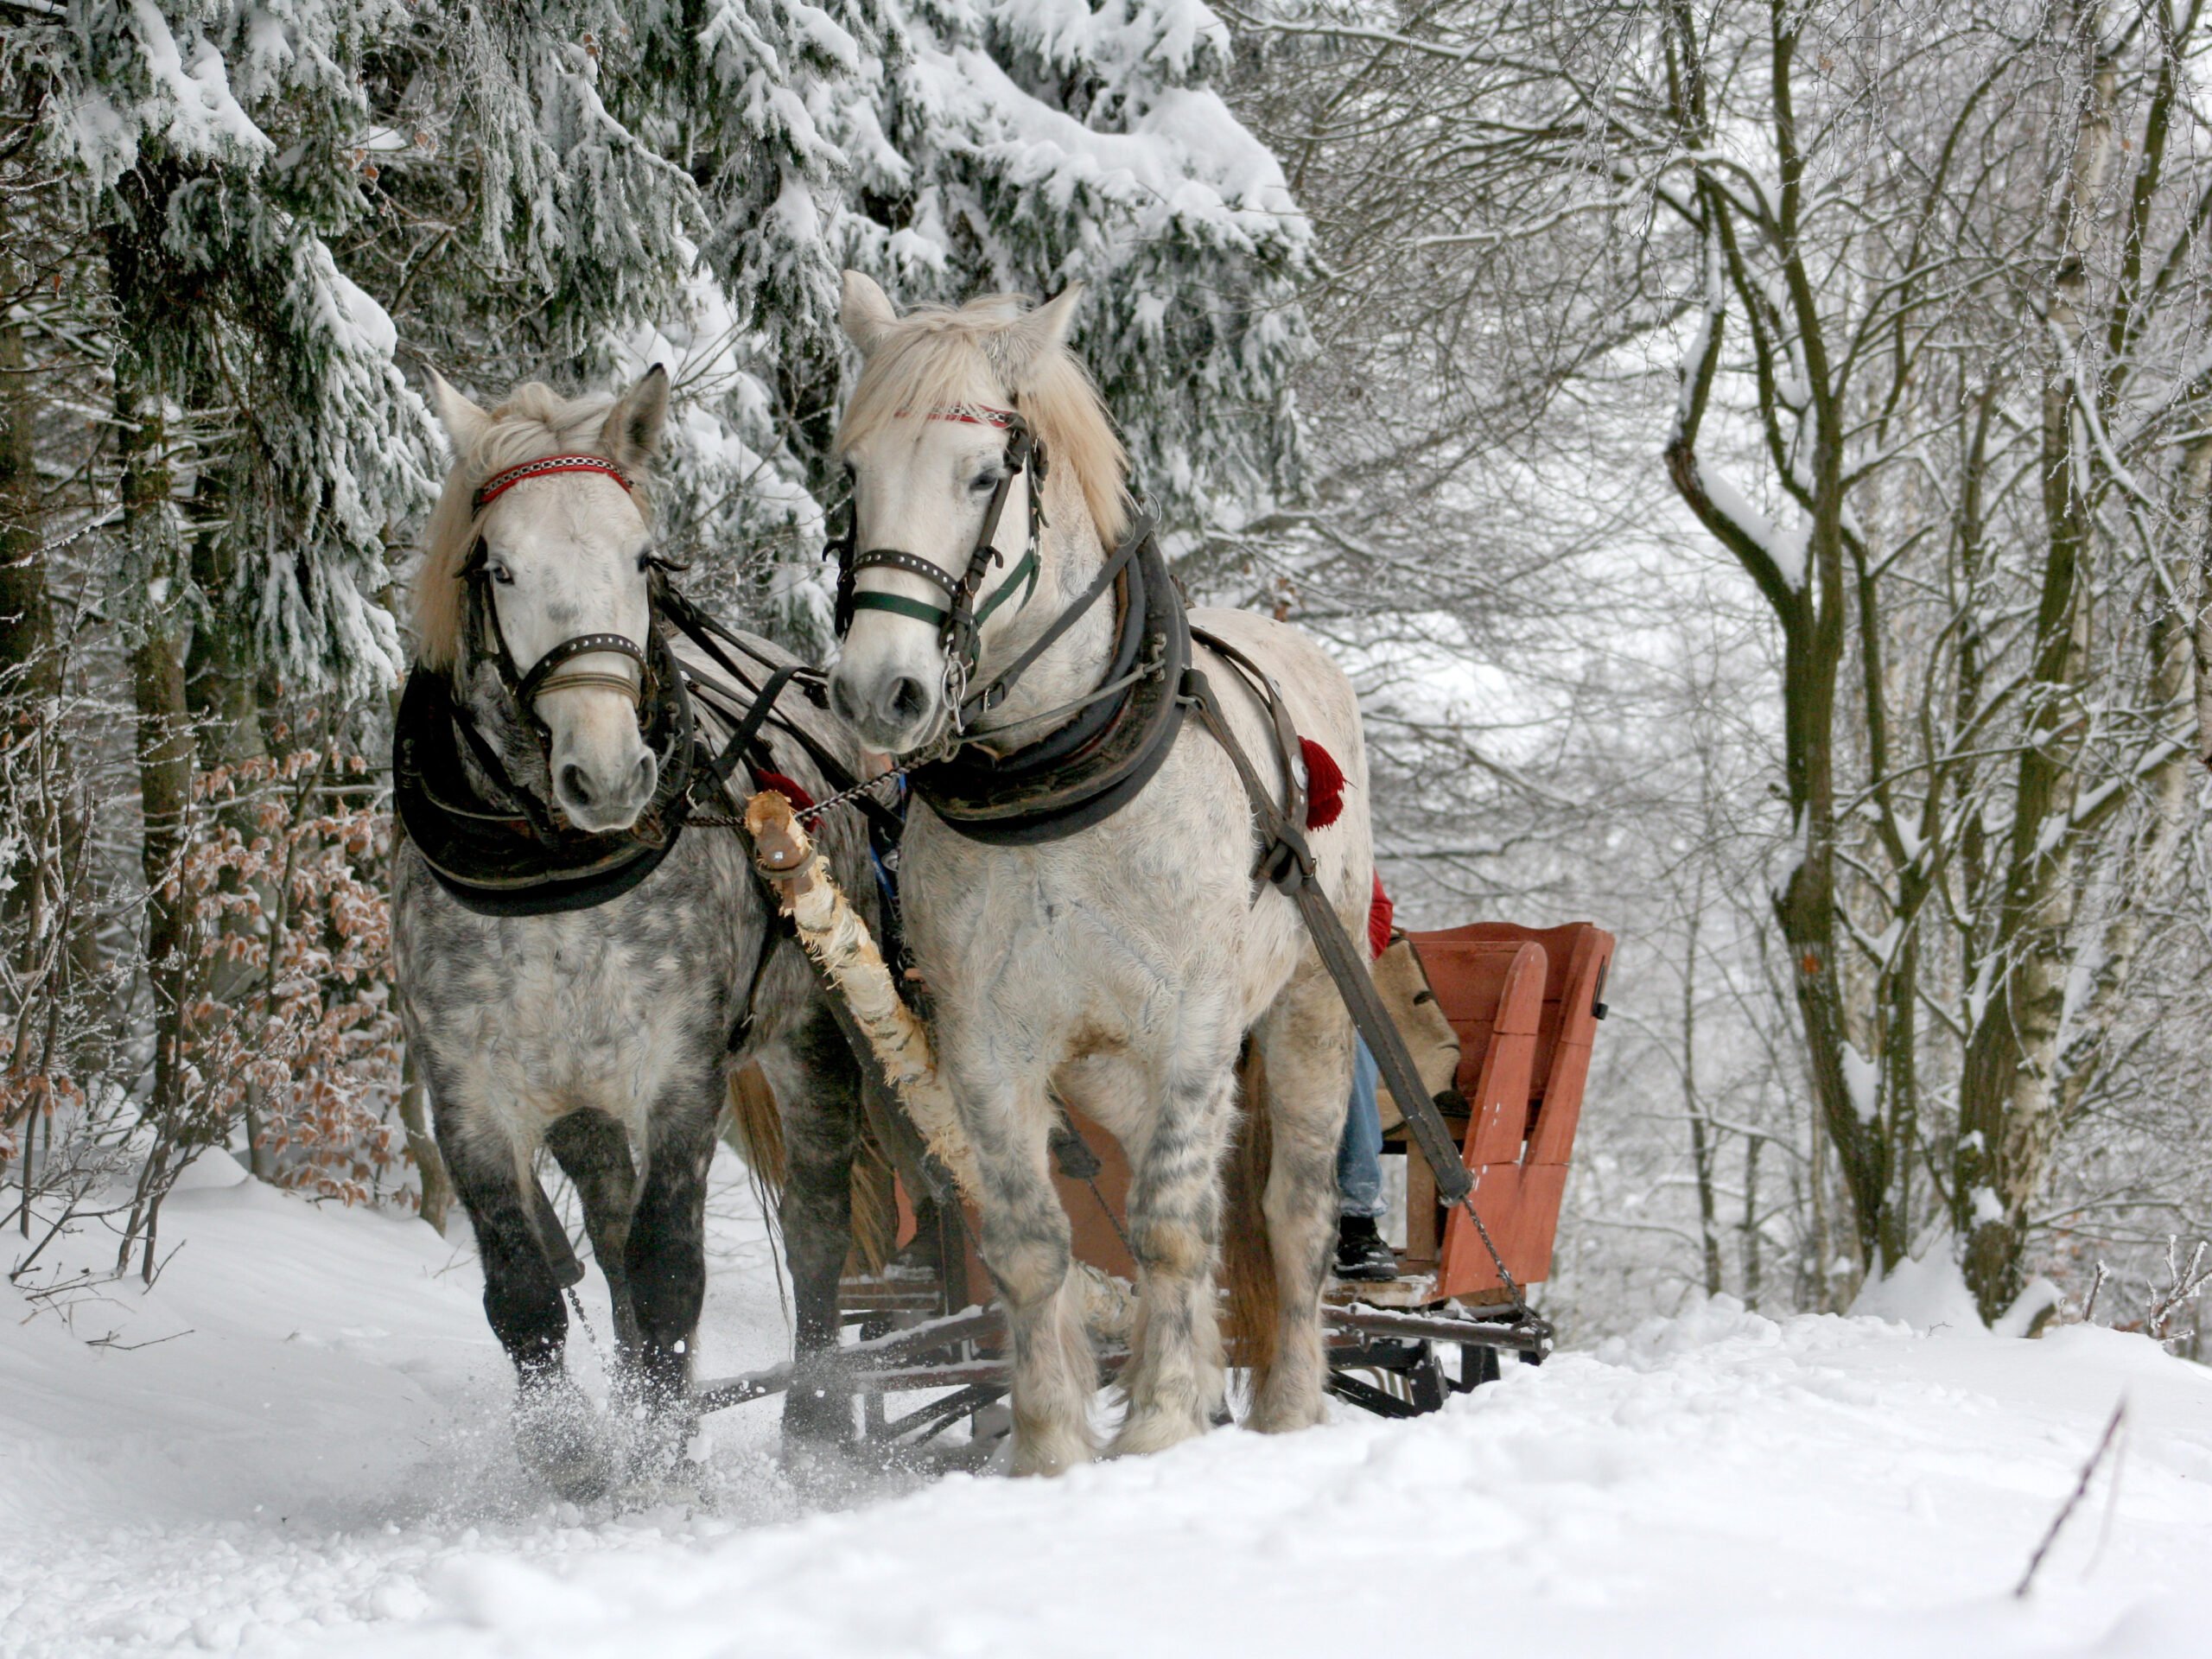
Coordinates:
865	311
632	435
463	420
1035	335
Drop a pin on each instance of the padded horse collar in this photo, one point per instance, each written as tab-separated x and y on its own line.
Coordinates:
494	845
1089	769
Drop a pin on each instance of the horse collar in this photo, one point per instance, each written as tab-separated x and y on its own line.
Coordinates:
497	848
1085	771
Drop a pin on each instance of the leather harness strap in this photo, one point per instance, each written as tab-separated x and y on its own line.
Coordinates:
1089	768
500	483
1286	861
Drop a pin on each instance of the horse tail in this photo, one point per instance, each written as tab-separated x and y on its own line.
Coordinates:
1248	1262
876	1203
754	1127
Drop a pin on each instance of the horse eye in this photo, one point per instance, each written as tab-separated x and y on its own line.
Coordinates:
983	483
503	576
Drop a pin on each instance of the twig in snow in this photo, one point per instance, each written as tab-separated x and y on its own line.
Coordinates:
109	1341
2080	1487
2184	1282
154	1269
2089	1306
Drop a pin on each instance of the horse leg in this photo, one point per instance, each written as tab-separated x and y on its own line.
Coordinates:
593	1151
817	1087
666	1261
1305	1043
1174	1379
522	1300
1028	1245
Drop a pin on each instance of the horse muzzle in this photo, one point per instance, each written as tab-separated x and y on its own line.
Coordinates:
602	786
890	707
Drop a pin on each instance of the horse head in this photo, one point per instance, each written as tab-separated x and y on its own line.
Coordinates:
535	592
952	425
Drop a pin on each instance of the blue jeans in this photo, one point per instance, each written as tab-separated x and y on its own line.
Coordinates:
1359	1153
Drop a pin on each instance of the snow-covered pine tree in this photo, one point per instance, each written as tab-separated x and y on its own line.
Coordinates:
264	438
215	147
523	217
1049	143
769	108
952	147
577	190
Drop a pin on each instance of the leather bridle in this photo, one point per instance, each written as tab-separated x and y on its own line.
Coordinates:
960	620
550	672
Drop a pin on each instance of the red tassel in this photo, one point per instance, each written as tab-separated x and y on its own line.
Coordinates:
788	788
1325	784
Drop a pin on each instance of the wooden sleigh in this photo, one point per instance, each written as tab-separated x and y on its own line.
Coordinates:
1524	1003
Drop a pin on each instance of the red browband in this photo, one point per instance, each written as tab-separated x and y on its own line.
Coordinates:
500	483
971	414
976	415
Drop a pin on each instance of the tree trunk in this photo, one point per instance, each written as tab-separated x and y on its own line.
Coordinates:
26	616
2008	1119
164	733
1701	1147
1753	1265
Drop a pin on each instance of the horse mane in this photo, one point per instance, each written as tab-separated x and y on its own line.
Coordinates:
534	420
936	356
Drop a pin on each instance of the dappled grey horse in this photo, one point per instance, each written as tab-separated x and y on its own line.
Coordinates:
574	974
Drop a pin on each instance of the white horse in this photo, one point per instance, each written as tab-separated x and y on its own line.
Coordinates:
1123	966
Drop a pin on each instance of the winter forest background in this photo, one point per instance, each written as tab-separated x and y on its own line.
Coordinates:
1756	457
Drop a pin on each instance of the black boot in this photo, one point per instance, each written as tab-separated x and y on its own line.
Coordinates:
1361	1253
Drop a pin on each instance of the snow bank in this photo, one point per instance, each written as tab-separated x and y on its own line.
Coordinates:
1926	1291
321	1463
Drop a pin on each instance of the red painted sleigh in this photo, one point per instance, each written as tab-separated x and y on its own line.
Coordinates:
1525	1003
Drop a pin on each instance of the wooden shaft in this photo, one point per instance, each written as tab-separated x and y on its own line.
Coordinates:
839	941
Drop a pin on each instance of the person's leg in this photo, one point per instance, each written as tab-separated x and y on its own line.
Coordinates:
1361	1253
1359	1153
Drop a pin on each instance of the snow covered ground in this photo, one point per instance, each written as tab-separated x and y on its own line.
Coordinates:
316	1460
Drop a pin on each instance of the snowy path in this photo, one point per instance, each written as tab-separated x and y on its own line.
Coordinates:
320	1466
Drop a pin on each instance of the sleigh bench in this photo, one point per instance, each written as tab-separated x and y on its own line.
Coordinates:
1525	1003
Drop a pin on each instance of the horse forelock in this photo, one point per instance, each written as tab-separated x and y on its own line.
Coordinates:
533	421
937	357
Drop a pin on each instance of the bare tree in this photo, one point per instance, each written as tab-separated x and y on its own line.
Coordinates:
1930	285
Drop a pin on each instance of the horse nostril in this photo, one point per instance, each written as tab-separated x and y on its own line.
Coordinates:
574	785
908	699
841	699
642	778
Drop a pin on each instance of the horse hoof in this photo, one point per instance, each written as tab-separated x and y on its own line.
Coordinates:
1143	1433
1278	1417
1049	1453
558	1437
821	1418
